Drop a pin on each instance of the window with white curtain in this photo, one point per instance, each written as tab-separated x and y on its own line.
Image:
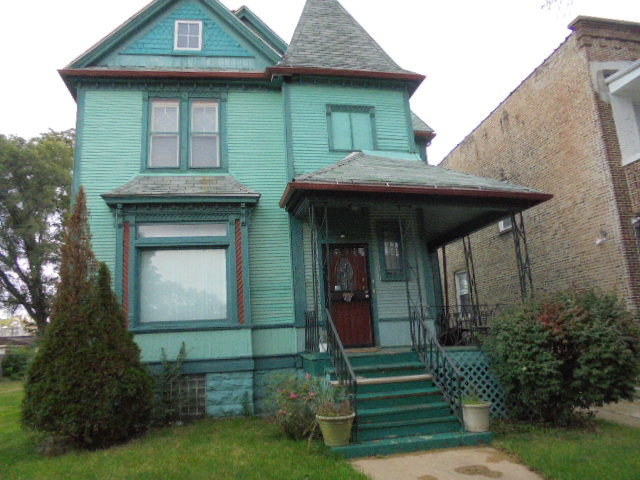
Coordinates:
183	284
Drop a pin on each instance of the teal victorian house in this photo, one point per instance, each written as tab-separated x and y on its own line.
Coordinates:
270	206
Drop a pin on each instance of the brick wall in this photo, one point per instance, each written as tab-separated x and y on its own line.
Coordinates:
551	134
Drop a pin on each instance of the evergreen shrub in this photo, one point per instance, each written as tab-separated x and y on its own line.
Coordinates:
566	353
86	385
15	362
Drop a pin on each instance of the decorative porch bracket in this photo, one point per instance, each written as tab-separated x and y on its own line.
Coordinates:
522	255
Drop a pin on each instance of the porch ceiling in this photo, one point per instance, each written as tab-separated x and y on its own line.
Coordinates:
454	204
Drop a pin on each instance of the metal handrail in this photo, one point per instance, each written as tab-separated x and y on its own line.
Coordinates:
344	371
446	374
311	332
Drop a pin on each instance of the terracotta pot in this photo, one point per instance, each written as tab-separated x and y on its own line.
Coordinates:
336	430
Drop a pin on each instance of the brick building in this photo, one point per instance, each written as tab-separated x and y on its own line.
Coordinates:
572	129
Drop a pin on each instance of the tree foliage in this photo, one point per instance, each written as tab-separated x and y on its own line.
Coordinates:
561	354
86	384
35	179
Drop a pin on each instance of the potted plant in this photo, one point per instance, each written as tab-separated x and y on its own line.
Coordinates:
475	413
335	417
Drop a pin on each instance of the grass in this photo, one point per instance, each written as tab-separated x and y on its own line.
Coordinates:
242	448
609	452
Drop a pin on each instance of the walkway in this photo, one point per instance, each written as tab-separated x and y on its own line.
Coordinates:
471	463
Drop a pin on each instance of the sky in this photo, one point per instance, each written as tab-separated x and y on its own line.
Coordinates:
474	53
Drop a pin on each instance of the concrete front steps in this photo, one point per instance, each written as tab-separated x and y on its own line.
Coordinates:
399	407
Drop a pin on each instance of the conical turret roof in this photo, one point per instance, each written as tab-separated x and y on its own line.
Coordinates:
328	37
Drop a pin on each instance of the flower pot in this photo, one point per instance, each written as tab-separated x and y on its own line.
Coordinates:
336	430
476	417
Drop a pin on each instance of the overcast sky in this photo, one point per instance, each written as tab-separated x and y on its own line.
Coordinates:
473	52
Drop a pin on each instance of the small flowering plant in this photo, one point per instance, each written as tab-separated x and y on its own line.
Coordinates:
332	402
293	403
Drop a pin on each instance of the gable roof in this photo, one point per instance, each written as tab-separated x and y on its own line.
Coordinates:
218	188
152	11
329	38
255	23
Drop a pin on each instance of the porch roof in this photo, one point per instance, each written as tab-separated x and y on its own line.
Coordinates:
372	172
454	203
182	188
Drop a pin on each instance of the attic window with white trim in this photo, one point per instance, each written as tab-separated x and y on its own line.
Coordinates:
188	35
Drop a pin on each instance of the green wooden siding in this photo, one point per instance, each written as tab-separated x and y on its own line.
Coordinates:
257	157
110	146
199	345
152	46
309	129
274	341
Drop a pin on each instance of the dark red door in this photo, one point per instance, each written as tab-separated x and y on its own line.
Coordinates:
350	295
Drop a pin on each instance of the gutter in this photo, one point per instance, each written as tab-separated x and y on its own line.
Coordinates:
294	187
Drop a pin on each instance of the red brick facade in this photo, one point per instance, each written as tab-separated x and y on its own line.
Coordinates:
556	133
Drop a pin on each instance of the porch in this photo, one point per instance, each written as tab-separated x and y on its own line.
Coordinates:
374	235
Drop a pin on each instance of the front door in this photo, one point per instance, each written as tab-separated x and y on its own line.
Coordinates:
350	294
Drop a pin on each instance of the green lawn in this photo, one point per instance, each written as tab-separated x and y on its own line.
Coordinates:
611	452
210	449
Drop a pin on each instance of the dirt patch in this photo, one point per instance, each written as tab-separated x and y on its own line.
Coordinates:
427	477
479	470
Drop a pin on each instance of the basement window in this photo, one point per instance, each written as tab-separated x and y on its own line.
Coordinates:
188	35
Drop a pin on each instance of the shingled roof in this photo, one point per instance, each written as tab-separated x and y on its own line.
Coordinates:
328	37
420	127
380	172
218	188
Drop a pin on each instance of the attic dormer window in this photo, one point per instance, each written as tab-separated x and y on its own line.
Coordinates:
188	35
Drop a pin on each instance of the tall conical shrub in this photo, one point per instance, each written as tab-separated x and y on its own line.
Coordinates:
86	384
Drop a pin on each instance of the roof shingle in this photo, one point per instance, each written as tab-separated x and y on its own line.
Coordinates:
328	37
218	186
373	168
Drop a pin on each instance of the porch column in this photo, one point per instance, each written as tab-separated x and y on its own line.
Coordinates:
522	255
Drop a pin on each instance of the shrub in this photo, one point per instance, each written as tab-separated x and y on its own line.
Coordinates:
169	398
567	352
15	362
86	385
292	405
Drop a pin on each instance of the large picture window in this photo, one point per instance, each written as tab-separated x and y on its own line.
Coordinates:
184	133
183	285
183	273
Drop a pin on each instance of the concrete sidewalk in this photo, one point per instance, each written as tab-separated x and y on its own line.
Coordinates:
469	463
625	413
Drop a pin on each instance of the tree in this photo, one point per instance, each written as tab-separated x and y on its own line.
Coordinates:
86	385
35	179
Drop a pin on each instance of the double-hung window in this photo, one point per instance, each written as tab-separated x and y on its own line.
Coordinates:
184	134
390	247
351	128
182	272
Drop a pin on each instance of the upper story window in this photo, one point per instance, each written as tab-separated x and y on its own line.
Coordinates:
179	141
463	293
188	35
624	89
351	127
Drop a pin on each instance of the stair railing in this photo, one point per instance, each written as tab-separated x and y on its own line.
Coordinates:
446	375
344	371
